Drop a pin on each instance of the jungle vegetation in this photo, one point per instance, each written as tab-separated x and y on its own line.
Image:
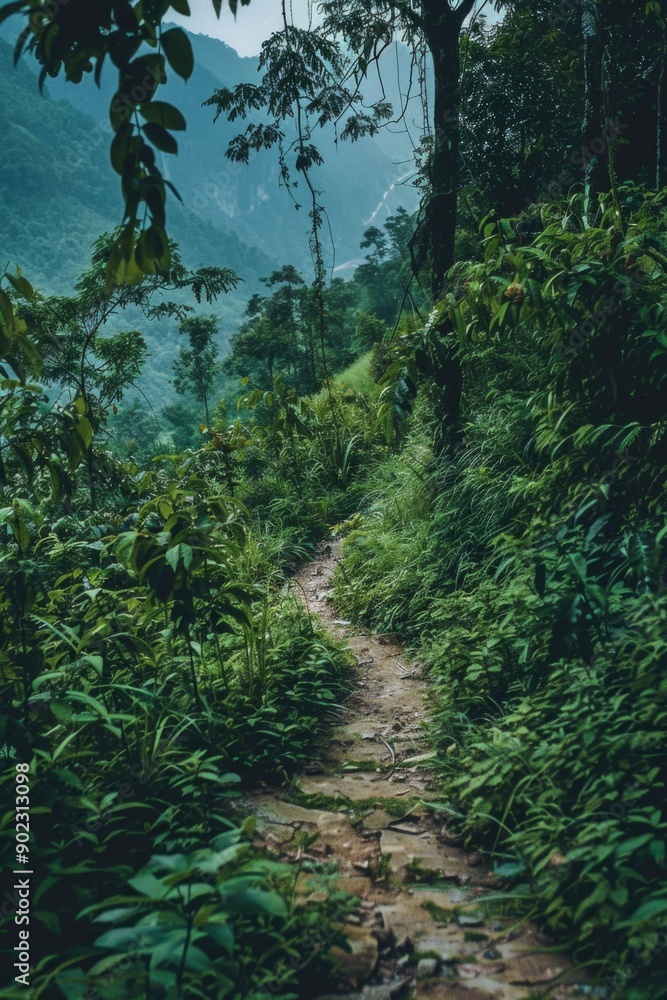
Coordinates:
481	411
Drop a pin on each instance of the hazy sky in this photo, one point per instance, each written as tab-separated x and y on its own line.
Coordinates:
253	23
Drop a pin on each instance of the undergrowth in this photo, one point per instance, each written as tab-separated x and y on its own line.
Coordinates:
155	662
528	569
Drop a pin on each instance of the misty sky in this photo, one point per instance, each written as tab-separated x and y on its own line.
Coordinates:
254	23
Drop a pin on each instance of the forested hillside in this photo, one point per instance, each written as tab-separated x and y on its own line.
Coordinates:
229	212
53	211
230	215
332	620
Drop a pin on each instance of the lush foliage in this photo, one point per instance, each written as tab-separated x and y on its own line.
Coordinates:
151	660
530	570
496	452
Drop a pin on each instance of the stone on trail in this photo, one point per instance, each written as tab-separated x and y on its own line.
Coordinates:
422	853
427	967
359	963
385	991
446	989
408	919
356	787
458	896
308	889
476	969
406	827
531	970
339	996
379	819
277	811
281	833
356	883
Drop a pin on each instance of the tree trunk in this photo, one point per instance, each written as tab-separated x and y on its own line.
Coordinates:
594	126
442	30
661	132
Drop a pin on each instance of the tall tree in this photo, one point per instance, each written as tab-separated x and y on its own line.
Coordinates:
383	277
368	27
197	367
274	337
315	79
594	126
442	25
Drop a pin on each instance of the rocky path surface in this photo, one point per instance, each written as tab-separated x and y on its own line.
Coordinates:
422	929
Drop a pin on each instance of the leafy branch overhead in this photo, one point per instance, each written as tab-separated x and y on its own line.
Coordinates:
77	37
308	80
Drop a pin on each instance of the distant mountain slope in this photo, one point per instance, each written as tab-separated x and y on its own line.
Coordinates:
58	191
357	180
354	181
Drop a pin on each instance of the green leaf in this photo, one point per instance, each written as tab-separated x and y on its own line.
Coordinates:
633	844
657	850
178	50
85	431
580	566
22	286
120	146
649	910
6	309
172	862
164	114
117	913
62	710
250	900
172	556
421	758
596	898
197	959
160	138
148	885
222	934
158	246
132	939
509	869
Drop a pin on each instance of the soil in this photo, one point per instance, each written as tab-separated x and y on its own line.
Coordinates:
422	928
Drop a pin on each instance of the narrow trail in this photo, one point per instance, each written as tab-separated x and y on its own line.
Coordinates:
419	930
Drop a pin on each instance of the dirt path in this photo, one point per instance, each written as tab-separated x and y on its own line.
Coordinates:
419	931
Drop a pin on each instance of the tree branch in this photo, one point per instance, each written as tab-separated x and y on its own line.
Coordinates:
463	9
